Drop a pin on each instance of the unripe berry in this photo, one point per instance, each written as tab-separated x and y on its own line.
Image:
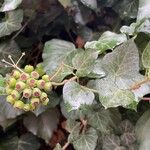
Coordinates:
43	96
39	69
27	93
35	75
19	104
16	74
20	85
48	86
12	82
36	92
45	78
27	107
31	82
45	102
28	68
24	77
15	94
40	84
8	90
10	99
35	102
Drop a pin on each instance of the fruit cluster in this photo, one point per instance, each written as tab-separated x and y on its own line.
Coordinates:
28	88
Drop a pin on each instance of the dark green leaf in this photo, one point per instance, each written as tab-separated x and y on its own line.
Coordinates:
127	8
12	23
76	95
43	125
25	142
111	142
2	85
108	40
143	130
7	110
87	140
53	101
6	122
84	62
10	5
55	55
90	3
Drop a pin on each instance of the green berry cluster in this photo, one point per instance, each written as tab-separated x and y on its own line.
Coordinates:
28	88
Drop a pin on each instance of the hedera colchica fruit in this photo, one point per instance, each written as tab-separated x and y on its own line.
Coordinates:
26	88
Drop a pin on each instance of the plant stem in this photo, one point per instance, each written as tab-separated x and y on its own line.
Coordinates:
65	81
94	91
66	145
137	85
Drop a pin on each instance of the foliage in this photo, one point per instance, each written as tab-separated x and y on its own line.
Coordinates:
94	56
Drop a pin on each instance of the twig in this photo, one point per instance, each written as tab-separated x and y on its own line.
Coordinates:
20	30
146	98
137	85
66	145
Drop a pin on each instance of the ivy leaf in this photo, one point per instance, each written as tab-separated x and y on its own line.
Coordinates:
65	3
146	56
111	142
126	126
84	62
127	8
43	125
98	71
75	95
143	9
142	131
26	141
87	140
2	85
10	5
100	120
55	54
122	69
108	40
7	110
5	123
12	23
128	138
54	100
90	3
58	147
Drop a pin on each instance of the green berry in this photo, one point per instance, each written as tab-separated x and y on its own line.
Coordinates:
12	82
20	86
16	74
48	86
39	69
8	90
43	96
10	99
24	77
45	102
15	94
19	104
40	84
31	82
28	68
27	107
45	78
35	102
35	75
27	93
36	92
